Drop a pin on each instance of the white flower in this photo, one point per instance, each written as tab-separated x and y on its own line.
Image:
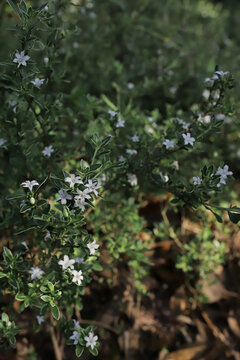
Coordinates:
121	158
120	122
224	173
79	260
150	119
169	144
2	142
63	196
66	262
188	139
80	203
93	186
77	277
183	123
40	319
73	179
45	8
206	94
164	178
209	82
93	247
46	60
112	113
222	73
207	119
132	179
29	184
130	86
24	244
135	138
21	58
36	273
76	325
75	337
82	195
47	236
197	180
38	82
131	151
91	340
176	164
47	151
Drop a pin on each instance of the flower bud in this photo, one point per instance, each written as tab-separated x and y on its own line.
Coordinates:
32	200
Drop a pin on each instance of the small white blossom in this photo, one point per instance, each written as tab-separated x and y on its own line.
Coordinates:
197	180
77	277
224	173
93	186
112	113
47	151
132	179
176	164
24	244
169	144
40	319
38	82
63	196
222	73
75	337
36	273
120	122
79	260
2	142
183	123
93	247
131	151
80	203
164	178
76	325
21	59
91	340
47	236
29	184
66	262
130	86
82	195
188	139
206	94
46	60
73	179
135	138
121	158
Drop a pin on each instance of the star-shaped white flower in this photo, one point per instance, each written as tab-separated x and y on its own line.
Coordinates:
224	173
132	179
38	82
47	151
77	277
169	144
36	273
112	113
66	262
80	203
91	340
79	260
21	58
2	142
92	186
29	184
188	139
75	337
197	180
120	122
76	325
121	158
131	151
73	179
93	247
135	138
63	196
130	86
40	319
82	195
47	236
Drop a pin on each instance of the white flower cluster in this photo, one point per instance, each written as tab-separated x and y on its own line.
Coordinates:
224	173
91	340
216	76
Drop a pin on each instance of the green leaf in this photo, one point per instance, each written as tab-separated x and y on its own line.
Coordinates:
7	255
93	351
12	339
234	217
97	267
20	297
51	286
2	275
79	350
55	312
46	298
23	7
13	6
109	103
5	317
